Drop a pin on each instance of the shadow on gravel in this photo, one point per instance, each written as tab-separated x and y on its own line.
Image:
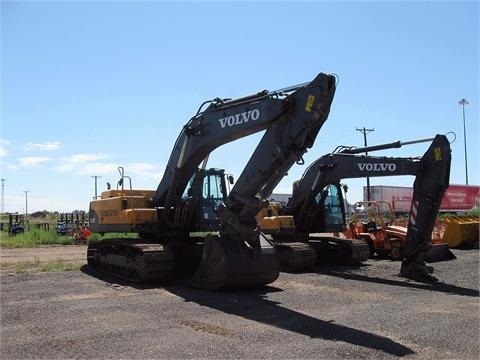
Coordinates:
253	305
117	282
345	273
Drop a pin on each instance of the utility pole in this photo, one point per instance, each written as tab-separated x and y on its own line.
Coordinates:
462	103
3	194
96	177
365	132
26	201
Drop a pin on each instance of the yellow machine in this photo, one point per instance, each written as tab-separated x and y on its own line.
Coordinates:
123	210
461	231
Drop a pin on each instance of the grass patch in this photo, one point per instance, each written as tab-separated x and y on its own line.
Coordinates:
95	237
37	237
60	265
33	238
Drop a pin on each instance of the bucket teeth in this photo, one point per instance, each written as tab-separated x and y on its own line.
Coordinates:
439	252
418	272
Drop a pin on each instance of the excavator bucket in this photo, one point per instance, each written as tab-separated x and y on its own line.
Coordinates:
461	231
228	263
439	252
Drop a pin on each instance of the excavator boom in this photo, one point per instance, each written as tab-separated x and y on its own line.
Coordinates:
428	189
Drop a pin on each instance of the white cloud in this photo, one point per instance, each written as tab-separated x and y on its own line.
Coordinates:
46	146
77	162
144	171
33	161
3	147
80	158
142	174
97	169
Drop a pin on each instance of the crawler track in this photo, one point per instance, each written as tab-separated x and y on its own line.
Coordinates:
132	260
341	251
295	256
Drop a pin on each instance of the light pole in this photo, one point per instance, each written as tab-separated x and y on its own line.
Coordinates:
26	201
96	177
3	194
464	102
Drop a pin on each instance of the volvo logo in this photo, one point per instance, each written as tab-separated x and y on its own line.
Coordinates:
377	167
238	119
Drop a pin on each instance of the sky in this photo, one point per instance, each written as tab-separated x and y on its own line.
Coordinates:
87	87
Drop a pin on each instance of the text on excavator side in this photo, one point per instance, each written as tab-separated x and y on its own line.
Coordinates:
377	167
108	212
240	118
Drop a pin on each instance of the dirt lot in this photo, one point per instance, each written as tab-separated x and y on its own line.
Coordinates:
44	253
365	312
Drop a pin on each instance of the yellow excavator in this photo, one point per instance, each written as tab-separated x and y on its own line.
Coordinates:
189	221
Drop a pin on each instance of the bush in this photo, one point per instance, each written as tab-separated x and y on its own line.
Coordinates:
474	212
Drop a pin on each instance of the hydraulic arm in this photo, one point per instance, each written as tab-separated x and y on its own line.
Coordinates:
428	189
240	254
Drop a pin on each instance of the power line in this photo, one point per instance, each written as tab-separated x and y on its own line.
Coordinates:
365	131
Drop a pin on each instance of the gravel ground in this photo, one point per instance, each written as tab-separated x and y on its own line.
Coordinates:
366	312
70	253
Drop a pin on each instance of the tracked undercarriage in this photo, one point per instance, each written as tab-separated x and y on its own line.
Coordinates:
296	256
211	263
331	249
303	255
132	259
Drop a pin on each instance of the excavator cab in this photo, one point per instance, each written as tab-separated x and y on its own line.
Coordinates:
197	208
325	213
333	209
213	194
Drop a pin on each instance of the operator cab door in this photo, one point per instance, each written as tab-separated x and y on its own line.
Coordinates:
333	215
207	190
213	194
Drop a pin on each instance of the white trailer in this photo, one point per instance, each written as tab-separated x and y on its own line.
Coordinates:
456	198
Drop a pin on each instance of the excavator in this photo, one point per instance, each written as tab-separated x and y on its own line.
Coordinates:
317	206
189	221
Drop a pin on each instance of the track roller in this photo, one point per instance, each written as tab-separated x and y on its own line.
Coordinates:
295	256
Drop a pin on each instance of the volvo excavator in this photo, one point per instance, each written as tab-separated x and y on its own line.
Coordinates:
174	223
317	206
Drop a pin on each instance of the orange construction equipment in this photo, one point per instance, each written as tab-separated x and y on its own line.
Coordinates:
375	223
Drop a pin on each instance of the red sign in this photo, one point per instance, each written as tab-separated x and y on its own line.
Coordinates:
461	197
